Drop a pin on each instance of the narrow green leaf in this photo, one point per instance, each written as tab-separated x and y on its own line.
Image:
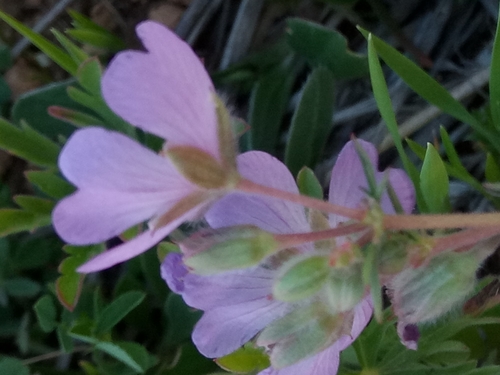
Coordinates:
308	183
268	104
117	310
428	88
495	79
434	182
384	105
55	53
46	313
492	169
50	184
28	144
78	55
99	39
311	122
371	278
322	46
34	204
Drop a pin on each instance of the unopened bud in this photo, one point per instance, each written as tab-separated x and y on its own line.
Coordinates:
237	247
301	279
201	168
344	288
428	292
304	332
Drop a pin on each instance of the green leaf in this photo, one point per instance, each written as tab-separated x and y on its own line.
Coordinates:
495	79
34	204
28	144
13	221
311	122
87	31
78	55
55	53
89	76
111	120
384	105
65	340
428	88
322	46
33	106
5	57
492	169
50	184
46	313
308	183
117	310
434	182
12	366
244	360
69	284
97	39
21	287
268	104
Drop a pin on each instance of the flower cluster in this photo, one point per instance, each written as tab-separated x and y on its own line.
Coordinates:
270	266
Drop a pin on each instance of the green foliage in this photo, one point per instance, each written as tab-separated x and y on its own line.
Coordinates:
245	360
69	284
322	46
268	104
308	183
311	122
88	32
46	313
117	310
434	182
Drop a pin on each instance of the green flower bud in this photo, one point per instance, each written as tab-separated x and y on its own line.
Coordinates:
344	288
301	279
233	248
425	293
304	332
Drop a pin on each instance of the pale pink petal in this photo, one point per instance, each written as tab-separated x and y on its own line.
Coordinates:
165	91
222	330
348	181
120	183
270	214
133	247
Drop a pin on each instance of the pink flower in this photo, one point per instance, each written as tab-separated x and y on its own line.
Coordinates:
238	304
165	91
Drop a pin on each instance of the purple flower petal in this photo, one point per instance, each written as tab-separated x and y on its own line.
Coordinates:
323	363
348	181
173	272
222	330
132	248
273	215
165	91
120	185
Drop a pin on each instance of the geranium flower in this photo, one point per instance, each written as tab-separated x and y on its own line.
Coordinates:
165	91
239	304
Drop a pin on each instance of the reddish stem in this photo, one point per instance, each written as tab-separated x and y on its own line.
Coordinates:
295	239
248	186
